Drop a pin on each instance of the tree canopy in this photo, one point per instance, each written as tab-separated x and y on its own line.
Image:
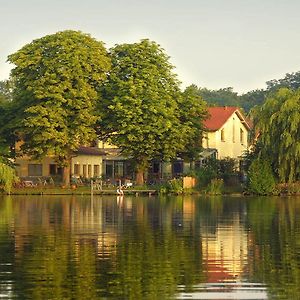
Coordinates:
220	97
6	115
142	105
5	91
56	82
291	81
279	127
193	110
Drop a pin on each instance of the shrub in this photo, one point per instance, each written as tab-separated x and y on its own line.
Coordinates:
228	168
207	172
215	187
223	168
175	186
289	188
260	177
7	177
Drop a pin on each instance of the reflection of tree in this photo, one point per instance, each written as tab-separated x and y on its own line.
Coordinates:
144	248
150	265
6	246
276	247
43	268
77	248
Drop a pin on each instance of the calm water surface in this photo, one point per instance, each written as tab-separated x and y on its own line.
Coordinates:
64	247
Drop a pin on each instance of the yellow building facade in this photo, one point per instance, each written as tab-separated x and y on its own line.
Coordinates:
227	131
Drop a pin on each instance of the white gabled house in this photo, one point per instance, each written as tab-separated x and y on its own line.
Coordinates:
227	131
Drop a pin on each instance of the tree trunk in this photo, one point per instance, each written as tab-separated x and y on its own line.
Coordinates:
67	173
140	177
141	166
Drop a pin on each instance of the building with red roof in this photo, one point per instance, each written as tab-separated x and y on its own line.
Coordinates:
227	131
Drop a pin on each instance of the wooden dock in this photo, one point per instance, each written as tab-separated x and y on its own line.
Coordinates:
126	192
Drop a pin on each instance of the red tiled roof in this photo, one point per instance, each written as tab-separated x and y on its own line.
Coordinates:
219	115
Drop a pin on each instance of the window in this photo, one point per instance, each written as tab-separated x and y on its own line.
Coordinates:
96	170
223	135
76	169
84	171
177	167
119	168
241	136
109	169
35	170
156	167
52	169
89	171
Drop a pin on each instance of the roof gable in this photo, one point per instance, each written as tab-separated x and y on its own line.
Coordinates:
220	114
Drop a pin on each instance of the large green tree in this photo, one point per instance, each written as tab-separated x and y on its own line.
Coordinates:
56	80
141	108
279	128
193	111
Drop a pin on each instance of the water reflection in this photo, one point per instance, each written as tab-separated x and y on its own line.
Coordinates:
149	248
225	251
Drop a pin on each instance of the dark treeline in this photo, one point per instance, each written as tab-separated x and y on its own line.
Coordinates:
228	97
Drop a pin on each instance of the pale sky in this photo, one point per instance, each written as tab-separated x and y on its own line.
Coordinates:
212	43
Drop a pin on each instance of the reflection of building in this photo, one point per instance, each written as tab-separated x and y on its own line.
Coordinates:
225	252
87	221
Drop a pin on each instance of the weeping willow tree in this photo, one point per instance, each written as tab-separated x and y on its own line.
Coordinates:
279	127
7	177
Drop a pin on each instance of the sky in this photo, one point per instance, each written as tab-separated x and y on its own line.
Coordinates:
212	43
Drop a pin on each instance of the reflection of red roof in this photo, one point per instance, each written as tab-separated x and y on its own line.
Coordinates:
217	272
219	115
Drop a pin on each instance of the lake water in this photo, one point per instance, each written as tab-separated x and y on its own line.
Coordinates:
67	247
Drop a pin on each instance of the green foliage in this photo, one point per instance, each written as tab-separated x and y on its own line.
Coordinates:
193	111
261	178
213	169
207	172
215	187
227	97
6	115
143	111
172	186
7	177
251	99
175	186
56	82
280	133
5	91
227	168
291	81
221	97
289	188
